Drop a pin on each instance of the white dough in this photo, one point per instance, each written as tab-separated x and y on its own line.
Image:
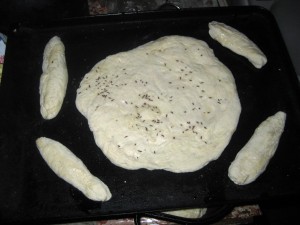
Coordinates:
253	158
71	169
54	80
169	104
188	213
237	42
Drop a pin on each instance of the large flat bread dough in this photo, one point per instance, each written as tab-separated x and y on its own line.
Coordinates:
71	169
54	79
169	104
253	158
237	42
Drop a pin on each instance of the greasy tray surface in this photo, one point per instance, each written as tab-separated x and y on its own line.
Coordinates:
29	190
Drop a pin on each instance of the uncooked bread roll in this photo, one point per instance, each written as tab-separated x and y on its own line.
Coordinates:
54	80
188	213
71	169
237	42
253	158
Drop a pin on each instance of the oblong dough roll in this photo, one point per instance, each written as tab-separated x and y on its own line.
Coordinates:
253	158
188	213
237	42
71	169
54	79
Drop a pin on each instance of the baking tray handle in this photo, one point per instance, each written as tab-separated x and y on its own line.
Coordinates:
169	6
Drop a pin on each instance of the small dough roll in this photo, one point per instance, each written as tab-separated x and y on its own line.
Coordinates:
54	80
188	213
253	158
237	42
71	169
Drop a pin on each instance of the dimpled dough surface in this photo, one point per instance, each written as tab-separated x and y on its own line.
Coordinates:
169	104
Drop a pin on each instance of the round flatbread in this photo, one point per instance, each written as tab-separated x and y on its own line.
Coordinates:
169	104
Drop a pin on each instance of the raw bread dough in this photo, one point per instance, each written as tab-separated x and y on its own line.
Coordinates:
237	42
71	169
54	80
253	158
188	213
169	104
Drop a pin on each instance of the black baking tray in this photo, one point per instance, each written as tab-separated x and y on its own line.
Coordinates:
31	192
